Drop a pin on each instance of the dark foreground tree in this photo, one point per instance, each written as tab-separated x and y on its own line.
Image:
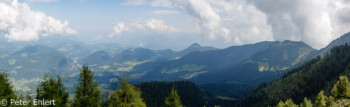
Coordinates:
29	98
126	96
173	100
6	91
86	94
51	89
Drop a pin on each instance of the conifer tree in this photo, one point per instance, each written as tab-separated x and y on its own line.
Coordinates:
87	94
306	103
280	104
330	101
126	96
173	100
29	98
290	103
51	89
320	100
6	91
341	89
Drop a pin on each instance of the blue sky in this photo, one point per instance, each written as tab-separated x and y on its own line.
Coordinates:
160	24
94	19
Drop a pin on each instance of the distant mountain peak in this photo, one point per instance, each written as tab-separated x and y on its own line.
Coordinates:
195	45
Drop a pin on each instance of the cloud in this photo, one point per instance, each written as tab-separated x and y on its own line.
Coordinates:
134	2
154	25
315	22
311	21
118	29
164	12
159	25
230	20
22	24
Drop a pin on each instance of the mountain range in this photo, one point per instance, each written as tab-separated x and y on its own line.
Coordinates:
236	69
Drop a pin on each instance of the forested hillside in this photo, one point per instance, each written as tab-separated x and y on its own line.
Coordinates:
154	93
305	81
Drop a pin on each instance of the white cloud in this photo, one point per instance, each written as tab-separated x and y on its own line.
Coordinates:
316	22
159	25
154	25
161	12
134	2
23	24
231	20
118	29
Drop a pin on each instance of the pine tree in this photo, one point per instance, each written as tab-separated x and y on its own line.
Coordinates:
86	94
6	91
290	103
126	96
29	98
306	103
173	100
330	101
320	100
280	104
52	89
341	89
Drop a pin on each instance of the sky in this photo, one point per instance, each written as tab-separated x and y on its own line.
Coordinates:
175	24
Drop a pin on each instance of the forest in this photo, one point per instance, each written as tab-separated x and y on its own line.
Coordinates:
306	81
87	94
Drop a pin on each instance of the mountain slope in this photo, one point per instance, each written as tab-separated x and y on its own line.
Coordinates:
35	61
98	58
270	63
68	46
198	63
265	65
124	61
135	54
339	41
306	80
193	48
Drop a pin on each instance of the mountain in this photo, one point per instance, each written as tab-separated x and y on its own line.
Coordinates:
193	48
164	54
304	81
112	48
7	47
72	50
231	63
270	63
118	63
339	41
198	63
237	70
96	58
135	54
69	46
27	66
265	65
35	61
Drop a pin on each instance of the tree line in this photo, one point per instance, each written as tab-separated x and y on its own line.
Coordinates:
340	97
86	93
319	73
